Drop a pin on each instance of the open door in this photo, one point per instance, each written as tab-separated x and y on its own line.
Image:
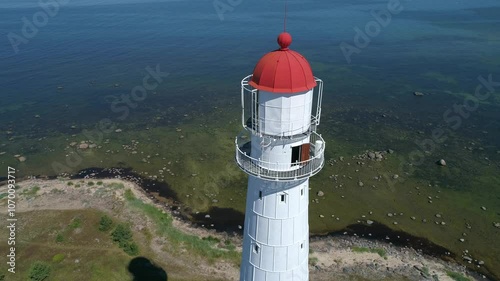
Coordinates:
304	153
296	154
301	153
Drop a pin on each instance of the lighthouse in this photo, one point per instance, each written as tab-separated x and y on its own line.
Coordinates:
280	150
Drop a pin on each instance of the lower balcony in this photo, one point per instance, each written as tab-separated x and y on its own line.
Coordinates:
281	171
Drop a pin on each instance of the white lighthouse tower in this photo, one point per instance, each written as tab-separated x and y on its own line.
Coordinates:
279	150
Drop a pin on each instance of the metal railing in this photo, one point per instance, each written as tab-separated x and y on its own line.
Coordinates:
251	120
280	171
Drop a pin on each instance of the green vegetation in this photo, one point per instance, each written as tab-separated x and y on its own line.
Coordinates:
89	254
3	195
105	223
163	221
313	261
57	191
457	276
59	238
147	234
90	183
58	258
123	236
211	239
77	185
229	246
75	223
32	191
116	185
70	183
39	271
122	233
381	252
99	183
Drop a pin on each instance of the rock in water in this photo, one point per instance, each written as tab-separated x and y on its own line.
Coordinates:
83	146
320	193
441	162
21	158
418	94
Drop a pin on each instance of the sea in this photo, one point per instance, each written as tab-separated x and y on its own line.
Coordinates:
67	66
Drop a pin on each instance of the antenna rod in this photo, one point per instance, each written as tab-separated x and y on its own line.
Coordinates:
284	24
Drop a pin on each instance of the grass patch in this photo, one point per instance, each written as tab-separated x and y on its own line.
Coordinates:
229	246
90	183
70	183
457	276
163	222
99	183
75	223
313	261
148	235
105	223
211	239
39	271
109	262
59	238
381	252
32	191
77	185
57	191
123	236
115	185
2	196
57	258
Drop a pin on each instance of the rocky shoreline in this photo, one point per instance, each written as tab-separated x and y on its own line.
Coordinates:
333	254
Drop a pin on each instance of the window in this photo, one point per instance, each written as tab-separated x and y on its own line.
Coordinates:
256	248
301	192
302	245
283	198
260	194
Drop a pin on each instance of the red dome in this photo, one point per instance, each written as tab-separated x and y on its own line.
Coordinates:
283	70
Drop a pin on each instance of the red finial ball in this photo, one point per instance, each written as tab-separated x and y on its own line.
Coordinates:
284	40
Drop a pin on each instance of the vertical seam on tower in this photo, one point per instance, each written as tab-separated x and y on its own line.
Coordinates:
290	68
275	68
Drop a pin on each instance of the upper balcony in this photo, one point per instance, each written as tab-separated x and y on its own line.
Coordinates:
281	171
280	115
